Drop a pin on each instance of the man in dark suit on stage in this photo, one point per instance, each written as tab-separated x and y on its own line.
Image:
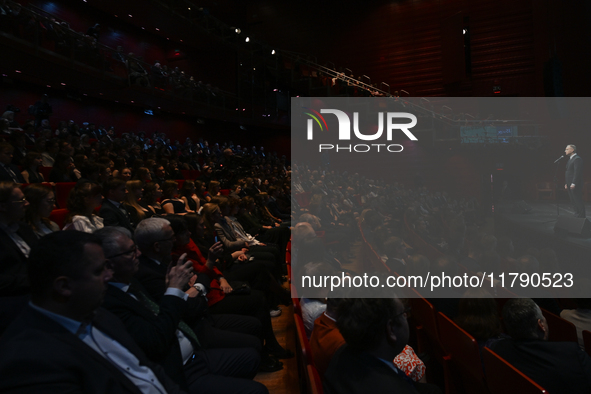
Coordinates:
376	331
559	367
62	341
573	179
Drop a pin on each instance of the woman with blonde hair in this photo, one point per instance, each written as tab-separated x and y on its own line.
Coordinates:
82	201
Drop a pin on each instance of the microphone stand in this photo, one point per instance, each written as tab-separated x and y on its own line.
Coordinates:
556	188
556	185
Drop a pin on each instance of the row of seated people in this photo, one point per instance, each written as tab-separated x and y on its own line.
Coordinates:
399	257
57	36
351	345
67	156
180	311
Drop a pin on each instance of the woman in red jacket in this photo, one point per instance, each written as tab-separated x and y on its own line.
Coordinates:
220	297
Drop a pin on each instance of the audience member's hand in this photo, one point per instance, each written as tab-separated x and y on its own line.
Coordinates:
216	250
225	286
180	274
242	257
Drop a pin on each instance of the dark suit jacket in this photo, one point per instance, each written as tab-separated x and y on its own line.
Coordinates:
13	263
40	356
152	277
574	171
559	367
351	372
113	216
155	335
5	175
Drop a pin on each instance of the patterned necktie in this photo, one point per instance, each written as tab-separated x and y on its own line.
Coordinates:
155	309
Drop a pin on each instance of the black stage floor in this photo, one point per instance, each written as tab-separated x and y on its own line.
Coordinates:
536	229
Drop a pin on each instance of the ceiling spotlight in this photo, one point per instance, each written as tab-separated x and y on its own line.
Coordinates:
131	16
189	8
157	29
247	39
238	31
63	84
273	52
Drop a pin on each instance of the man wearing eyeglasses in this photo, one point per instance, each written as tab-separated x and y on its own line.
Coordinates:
63	342
161	333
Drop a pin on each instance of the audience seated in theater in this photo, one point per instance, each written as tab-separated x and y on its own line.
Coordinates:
376	331
60	340
113	210
155	239
580	317
559	367
8	171
236	267
159	330
41	201
82	202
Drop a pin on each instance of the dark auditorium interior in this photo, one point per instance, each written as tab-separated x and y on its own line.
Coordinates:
115	113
